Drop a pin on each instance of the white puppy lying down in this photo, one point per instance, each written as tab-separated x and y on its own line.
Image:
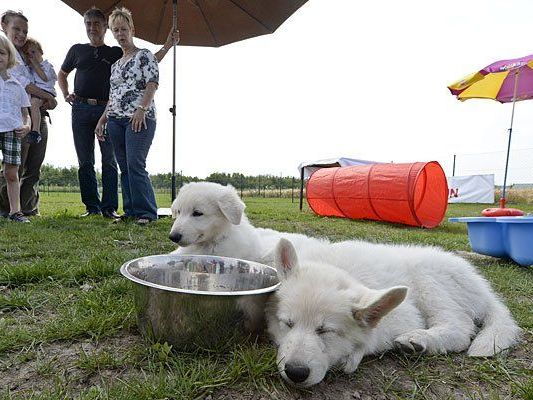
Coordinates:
339	302
210	219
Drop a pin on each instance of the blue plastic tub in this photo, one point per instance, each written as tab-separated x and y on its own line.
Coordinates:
506	237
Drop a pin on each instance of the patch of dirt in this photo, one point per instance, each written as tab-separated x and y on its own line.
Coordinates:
389	376
387	379
393	376
474	256
34	370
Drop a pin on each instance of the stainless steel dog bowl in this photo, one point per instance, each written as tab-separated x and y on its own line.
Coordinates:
199	302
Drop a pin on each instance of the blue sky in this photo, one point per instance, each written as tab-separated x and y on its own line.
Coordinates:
340	78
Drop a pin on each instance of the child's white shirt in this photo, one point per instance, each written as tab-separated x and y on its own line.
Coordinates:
13	97
48	86
21	72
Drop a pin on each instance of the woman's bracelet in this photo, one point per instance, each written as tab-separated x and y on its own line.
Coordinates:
143	108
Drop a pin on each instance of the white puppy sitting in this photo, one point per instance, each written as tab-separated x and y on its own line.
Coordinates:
210	219
345	300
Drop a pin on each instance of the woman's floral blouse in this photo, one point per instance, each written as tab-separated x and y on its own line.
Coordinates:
128	82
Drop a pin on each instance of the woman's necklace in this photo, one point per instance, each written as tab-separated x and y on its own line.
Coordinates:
128	54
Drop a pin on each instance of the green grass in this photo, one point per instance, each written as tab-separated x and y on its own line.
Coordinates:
68	329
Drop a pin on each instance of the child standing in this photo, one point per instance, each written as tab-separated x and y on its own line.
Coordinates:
44	77
14	125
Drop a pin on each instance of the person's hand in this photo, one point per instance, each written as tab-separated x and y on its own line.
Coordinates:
22	131
173	36
138	120
69	98
100	129
50	103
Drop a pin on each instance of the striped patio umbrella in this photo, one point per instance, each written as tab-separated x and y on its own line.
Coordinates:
506	81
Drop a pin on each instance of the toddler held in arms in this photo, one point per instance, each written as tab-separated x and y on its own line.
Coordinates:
44	77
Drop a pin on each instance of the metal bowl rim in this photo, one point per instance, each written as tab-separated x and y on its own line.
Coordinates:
124	271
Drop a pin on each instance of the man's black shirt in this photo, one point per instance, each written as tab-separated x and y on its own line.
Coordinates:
93	69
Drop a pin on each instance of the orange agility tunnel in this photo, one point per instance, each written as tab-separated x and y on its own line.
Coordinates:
413	194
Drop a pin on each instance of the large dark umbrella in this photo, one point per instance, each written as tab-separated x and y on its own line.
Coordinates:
211	23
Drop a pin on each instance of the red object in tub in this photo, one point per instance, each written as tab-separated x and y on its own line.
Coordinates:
413	194
502	212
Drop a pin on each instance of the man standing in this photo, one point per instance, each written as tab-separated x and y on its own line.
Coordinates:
92	62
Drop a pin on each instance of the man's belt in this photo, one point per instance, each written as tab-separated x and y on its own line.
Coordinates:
92	102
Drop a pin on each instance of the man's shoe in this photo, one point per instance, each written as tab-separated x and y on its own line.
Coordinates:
123	218
18	217
90	214
143	221
110	214
33	213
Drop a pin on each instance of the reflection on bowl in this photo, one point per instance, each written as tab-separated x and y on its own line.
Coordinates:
204	302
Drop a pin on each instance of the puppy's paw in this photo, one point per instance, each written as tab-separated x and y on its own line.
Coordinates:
412	342
352	362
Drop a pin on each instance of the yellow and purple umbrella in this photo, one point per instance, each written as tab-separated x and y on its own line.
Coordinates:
506	81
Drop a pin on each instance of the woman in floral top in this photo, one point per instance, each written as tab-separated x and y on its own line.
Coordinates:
131	118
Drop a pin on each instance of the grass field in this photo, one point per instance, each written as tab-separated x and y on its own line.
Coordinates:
68	329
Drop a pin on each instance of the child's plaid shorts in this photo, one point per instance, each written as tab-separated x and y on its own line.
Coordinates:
10	145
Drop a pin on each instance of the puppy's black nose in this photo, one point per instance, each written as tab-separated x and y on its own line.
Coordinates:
175	237
296	373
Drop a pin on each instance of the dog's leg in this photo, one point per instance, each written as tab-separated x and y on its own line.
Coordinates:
352	362
447	332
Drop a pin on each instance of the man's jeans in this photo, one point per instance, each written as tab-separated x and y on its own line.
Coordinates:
84	120
131	150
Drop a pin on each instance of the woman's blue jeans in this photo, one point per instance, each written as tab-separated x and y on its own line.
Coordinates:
131	150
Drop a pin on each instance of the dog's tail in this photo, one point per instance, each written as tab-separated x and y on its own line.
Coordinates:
499	332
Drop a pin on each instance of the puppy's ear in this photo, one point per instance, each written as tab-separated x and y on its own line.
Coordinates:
231	205
181	193
174	209
285	258
385	301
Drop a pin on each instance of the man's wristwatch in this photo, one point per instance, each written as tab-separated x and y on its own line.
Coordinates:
142	108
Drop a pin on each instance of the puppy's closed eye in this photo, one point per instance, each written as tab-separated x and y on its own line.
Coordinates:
322	330
288	323
196	213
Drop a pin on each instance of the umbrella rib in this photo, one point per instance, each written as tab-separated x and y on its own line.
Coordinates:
161	17
106	11
251	16
208	25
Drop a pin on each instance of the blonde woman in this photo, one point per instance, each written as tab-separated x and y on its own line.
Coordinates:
130	118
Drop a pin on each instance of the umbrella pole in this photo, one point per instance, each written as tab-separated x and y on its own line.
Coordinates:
173	109
502	198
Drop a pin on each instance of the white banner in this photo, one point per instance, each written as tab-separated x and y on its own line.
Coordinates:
471	189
